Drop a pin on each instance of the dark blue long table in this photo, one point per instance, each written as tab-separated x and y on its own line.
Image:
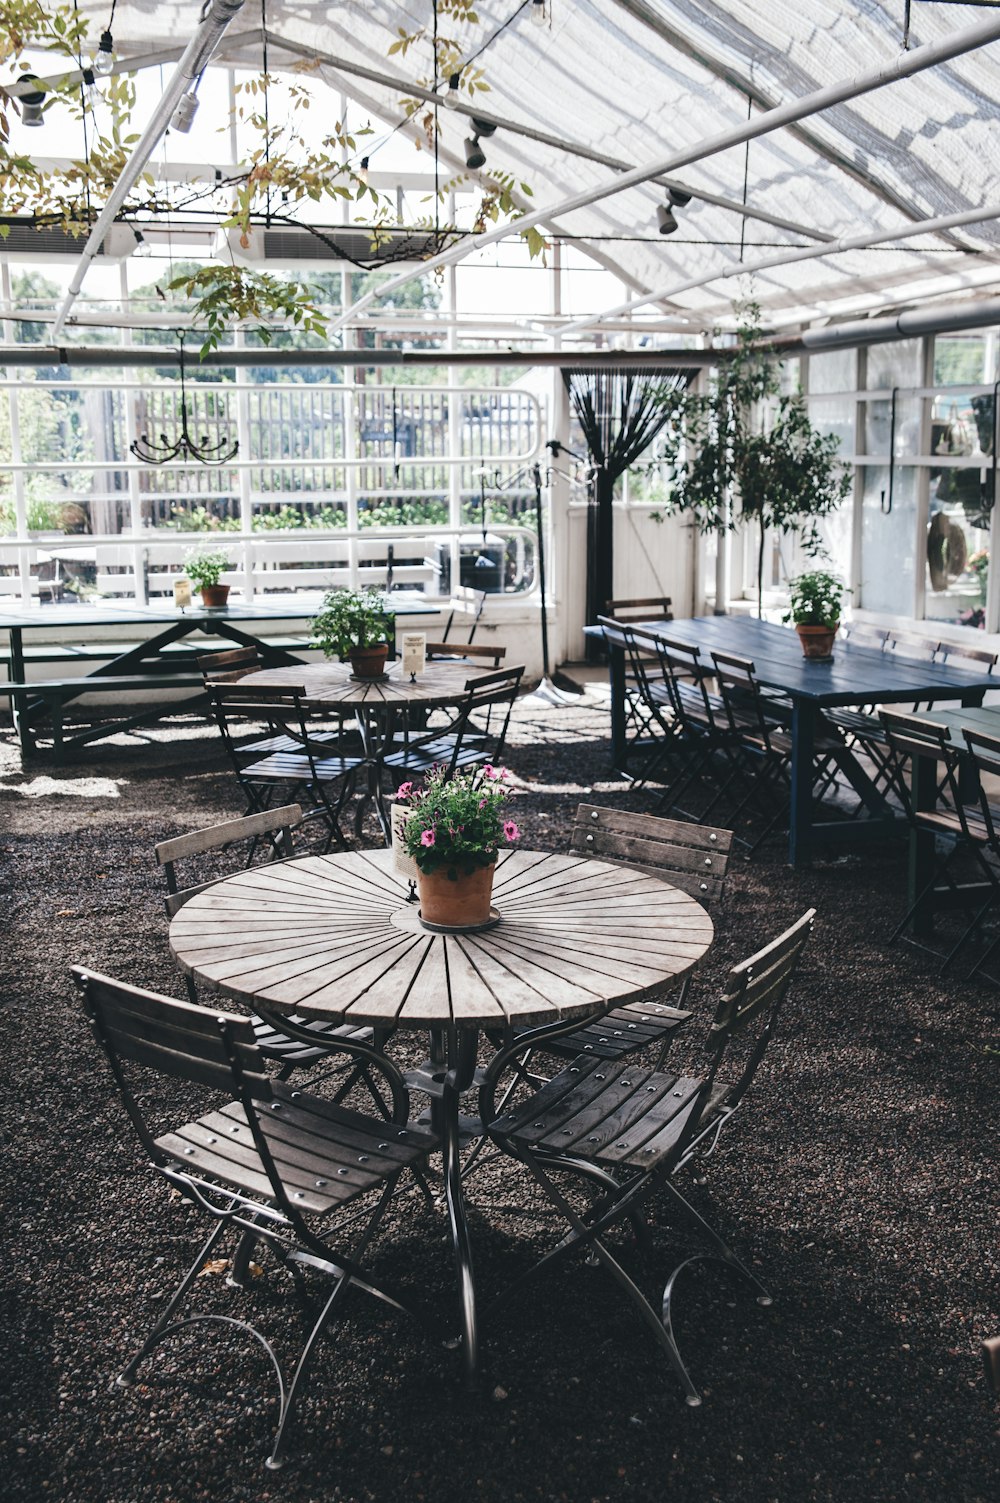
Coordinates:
855	676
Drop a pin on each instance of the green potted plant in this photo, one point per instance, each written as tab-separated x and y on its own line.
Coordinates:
355	624
455	829
815	599
206	568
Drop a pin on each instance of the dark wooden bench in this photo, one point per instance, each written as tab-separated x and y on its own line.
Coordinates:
49	697
178	652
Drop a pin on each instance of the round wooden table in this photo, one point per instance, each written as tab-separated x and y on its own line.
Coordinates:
334	936
334	685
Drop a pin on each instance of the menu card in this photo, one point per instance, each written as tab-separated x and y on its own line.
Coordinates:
414	652
402	862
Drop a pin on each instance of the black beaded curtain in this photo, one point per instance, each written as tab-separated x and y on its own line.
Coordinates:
620	412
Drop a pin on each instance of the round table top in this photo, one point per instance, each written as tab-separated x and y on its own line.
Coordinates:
334	937
334	684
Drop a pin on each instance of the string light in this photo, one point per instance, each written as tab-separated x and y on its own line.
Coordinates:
103	60
540	12
450	100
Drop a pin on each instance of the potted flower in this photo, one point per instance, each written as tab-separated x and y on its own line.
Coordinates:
454	831
206	569
815	610
355	624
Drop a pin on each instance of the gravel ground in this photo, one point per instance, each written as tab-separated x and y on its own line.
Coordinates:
861	1181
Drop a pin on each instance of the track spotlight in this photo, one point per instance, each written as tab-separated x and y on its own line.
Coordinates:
475	156
483	127
183	116
104	58
450	100
31	104
666	223
678	198
540	12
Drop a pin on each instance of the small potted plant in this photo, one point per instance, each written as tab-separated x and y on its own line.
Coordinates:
206	569
454	831
355	624
815	610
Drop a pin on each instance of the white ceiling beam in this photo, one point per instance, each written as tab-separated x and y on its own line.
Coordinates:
544	138
906	65
195	58
787	258
654	21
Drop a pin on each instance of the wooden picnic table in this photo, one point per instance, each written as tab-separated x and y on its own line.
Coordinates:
334	937
148	664
855	676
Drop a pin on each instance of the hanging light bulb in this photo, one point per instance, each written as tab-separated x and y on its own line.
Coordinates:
363	171
142	246
104	58
540	12
450	100
88	85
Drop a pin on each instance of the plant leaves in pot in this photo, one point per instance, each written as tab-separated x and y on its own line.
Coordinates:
355	625
814	608
205	569
454	832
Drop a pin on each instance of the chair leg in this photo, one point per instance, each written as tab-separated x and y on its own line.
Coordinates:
127	1377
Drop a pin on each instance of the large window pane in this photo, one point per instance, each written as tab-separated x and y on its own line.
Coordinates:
887	563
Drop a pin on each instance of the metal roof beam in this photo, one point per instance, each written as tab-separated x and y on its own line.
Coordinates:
655	22
544	138
906	65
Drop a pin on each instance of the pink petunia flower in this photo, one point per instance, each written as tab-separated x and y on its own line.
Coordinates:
427	837
491	772
510	830
404	790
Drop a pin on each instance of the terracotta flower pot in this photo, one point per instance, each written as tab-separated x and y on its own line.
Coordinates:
459	903
368	662
817	641
214	595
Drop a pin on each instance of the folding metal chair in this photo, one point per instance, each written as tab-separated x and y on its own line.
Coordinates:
624	1131
961	821
766	747
271	1166
324	775
477	732
689	856
269	832
219	668
651	608
984	753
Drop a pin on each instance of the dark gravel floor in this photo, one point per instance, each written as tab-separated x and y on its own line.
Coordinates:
862	1181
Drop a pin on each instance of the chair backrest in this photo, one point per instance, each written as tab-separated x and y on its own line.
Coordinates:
750	1002
282	710
984	752
907	644
909	736
230	666
271	827
489	701
959	655
681	664
652	608
457	652
861	634
692	857
180	1039
737	680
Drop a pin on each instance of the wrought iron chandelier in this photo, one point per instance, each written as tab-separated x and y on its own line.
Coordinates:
184	446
